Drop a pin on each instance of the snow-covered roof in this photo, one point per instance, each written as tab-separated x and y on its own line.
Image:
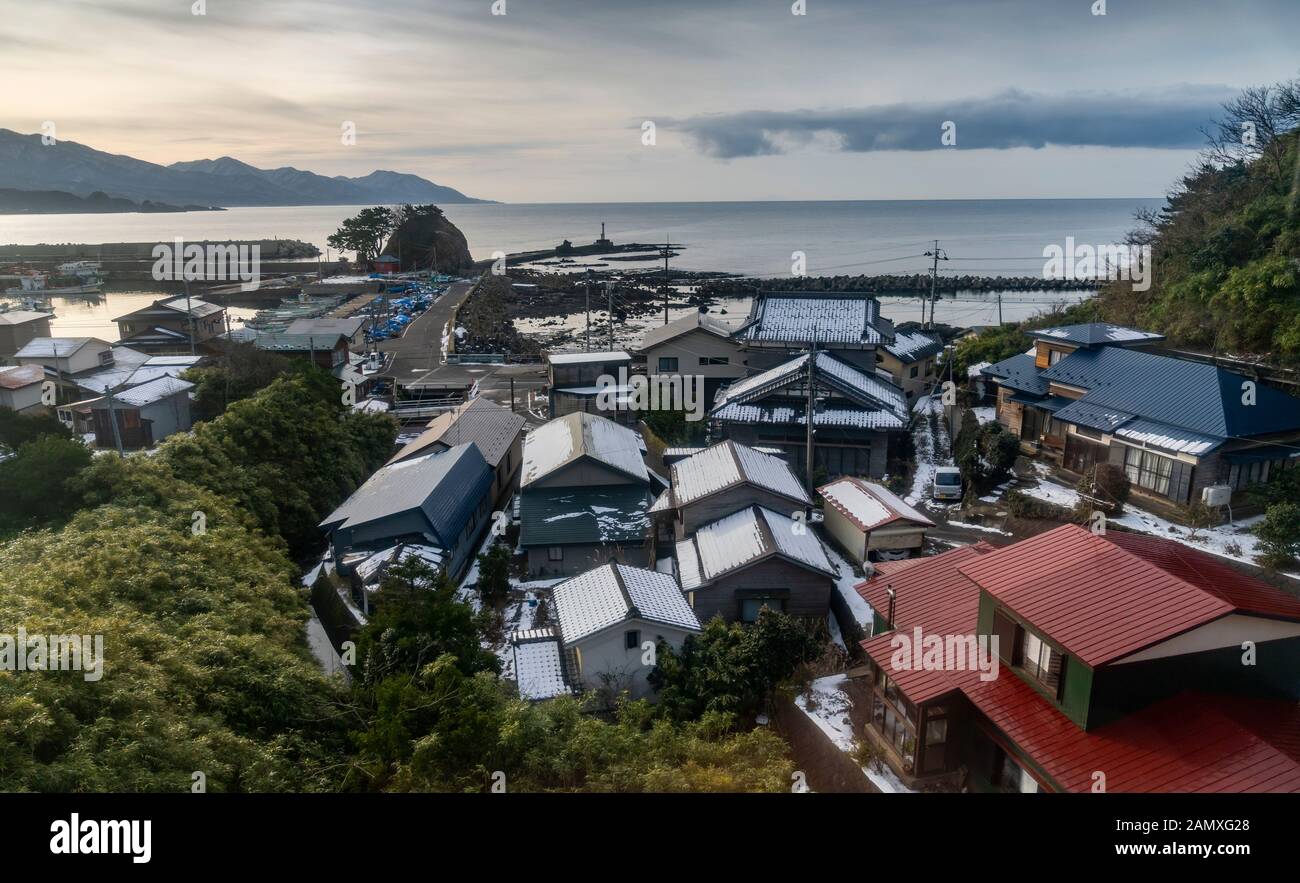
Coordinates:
585	358
1170	438
610	594
539	666
873	402
801	318
22	317
744	537
54	347
728	464
1098	333
370	569
869	505
912	346
565	439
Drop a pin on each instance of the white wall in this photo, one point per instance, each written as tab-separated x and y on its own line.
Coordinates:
604	652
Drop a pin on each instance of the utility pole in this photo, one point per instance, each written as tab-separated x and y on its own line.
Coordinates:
667	242
589	274
808	438
189	313
939	255
999	308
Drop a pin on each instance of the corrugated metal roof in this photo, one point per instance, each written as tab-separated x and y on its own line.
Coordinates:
592	514
696	321
54	347
1100	601
446	487
153	391
868	505
610	594
744	538
727	465
1019	373
585	358
1187	395
1094	416
564	440
482	421
18	376
1097	333
539	669
1047	403
1166	437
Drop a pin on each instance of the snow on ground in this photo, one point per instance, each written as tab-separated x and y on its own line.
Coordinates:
930	437
983	527
833	626
1215	540
844	584
832	717
985	414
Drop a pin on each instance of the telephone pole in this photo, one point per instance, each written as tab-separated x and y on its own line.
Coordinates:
939	255
667	243
609	292
588	349
808	438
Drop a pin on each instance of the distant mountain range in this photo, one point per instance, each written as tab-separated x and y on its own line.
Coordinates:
27	164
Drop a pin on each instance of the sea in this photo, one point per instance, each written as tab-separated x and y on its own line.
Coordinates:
760	239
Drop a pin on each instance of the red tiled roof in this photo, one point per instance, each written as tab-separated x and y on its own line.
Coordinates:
1101	601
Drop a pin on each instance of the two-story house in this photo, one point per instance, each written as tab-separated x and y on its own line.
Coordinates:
783	323
173	325
696	345
575	385
1084	395
1072	661
912	361
18	328
584	496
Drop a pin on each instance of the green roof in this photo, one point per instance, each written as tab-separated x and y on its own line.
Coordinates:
598	514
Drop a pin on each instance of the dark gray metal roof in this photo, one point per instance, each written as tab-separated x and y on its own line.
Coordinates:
1018	373
595	514
1093	416
1097	334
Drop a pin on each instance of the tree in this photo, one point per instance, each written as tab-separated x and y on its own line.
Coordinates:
1279	535
494	575
18	429
365	233
238	371
731	668
419	618
34	483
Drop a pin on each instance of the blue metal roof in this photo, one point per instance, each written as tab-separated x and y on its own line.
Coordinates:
1048	403
1097	334
1094	416
1018	373
1183	394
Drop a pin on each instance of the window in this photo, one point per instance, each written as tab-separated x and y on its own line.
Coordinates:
1148	469
555	553
1011	779
715	360
667	363
914	371
749	607
1054	356
106	357
631	639
1041	662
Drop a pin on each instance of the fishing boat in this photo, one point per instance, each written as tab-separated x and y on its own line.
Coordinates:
36	284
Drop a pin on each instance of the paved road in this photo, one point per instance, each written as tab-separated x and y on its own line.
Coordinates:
417	354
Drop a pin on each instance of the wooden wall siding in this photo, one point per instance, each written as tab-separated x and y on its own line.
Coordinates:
1010	414
866	454
809	592
1042	359
720	505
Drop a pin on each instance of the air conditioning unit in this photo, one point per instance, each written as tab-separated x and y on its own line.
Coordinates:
1216	495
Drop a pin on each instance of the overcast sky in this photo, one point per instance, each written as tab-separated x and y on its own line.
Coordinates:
547	102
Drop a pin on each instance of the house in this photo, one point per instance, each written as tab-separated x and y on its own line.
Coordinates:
386	263
64	358
1072	661
1084	395
20	327
21	387
439	499
575	384
856	412
145	413
751	559
720	480
584	496
607	621
782	323
497	431
329	351
172	325
912	361
351	327
694	345
129	368
870	522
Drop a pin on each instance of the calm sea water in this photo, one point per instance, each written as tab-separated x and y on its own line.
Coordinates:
980	237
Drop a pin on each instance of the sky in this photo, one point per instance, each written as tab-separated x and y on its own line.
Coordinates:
551	101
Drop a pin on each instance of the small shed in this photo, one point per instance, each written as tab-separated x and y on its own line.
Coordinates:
871	522
386	263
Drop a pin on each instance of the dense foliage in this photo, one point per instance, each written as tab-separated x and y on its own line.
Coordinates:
235	373
34	482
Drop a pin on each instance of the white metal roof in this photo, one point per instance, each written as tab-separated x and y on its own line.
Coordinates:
565	439
583	358
612	593
743	537
729	463
869	505
153	391
539	671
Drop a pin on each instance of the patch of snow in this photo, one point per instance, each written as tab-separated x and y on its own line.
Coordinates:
985	528
832	717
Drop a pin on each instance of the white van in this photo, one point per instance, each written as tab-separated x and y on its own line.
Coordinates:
947	483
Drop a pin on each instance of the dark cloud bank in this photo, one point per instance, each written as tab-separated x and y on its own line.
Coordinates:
1009	119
